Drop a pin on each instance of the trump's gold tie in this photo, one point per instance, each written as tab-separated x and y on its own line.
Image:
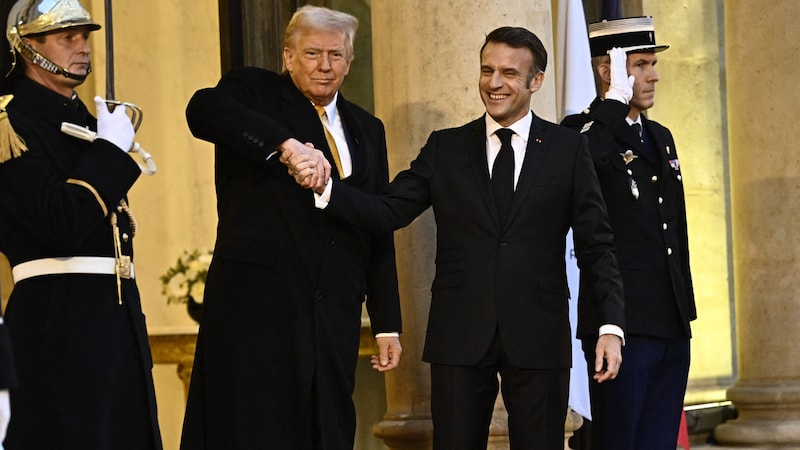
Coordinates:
323	117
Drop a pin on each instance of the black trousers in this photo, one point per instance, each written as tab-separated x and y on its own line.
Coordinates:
641	408
463	397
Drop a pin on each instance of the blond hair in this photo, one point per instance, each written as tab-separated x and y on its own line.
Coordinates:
317	18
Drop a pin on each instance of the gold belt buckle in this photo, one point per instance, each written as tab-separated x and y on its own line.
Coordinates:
124	267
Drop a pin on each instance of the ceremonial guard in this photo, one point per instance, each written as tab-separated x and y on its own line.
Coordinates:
77	330
640	175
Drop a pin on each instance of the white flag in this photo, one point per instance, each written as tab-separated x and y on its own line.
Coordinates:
575	87
575	81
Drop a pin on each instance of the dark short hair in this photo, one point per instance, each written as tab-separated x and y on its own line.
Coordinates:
518	37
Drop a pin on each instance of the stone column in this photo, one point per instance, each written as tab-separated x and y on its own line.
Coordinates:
426	58
762	58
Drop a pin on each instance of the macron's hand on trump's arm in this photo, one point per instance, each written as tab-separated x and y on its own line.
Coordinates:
608	351
389	357
306	164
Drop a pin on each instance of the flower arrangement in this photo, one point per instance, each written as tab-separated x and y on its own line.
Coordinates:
187	278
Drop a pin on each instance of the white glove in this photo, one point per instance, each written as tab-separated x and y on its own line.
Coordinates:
621	88
114	127
5	415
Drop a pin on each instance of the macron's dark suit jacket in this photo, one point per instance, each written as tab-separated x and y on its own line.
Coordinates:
278	342
487	277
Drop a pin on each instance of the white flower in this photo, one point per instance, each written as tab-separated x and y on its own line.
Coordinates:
187	277
193	270
177	286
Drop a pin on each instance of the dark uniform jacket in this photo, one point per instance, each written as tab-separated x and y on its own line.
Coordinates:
489	277
278	343
83	360
8	374
645	198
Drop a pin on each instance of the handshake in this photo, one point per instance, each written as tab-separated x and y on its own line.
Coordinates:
306	164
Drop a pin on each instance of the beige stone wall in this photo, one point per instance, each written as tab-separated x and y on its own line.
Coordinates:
762	51
764	55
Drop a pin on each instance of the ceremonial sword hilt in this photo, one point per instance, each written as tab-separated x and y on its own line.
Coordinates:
135	114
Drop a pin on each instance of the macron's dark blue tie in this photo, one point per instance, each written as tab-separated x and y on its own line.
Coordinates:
503	174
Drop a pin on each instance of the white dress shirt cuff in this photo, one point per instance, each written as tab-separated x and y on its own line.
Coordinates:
380	335
613	329
321	200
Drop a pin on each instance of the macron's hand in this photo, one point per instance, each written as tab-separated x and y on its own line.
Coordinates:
621	86
305	164
389	357
114	127
608	350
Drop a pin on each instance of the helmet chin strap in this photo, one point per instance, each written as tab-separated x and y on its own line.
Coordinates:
52	67
40	60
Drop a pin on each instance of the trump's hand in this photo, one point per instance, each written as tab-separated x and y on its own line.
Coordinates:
389	357
306	165
608	357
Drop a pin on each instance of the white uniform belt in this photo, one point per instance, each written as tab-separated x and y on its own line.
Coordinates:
99	265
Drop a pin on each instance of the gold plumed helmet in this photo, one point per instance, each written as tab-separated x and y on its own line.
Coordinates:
30	17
